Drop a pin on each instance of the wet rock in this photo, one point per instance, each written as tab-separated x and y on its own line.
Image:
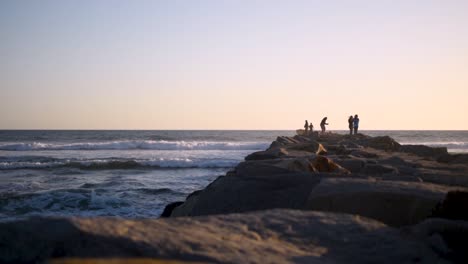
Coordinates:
169	208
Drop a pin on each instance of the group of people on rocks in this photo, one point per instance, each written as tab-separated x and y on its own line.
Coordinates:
353	124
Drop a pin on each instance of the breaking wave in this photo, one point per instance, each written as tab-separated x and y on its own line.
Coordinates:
109	164
132	144
449	145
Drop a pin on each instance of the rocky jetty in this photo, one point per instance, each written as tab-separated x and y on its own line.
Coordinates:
306	199
374	177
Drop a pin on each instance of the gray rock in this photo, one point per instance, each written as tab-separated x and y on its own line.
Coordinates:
377	169
354	165
424	151
169	208
250	193
383	143
272	153
395	203
275	236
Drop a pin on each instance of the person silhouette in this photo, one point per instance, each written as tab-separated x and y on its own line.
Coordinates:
350	124
356	124
306	127
323	123
311	128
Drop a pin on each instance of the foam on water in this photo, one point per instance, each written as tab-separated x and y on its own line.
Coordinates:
140	144
110	164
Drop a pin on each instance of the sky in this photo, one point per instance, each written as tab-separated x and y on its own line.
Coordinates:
233	64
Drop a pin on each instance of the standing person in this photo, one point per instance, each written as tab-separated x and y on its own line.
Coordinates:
311	128
306	127
323	123
356	124
351	124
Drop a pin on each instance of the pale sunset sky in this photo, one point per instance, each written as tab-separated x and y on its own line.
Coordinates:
233	64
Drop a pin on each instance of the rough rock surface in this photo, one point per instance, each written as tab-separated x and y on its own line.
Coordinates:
276	236
281	176
395	203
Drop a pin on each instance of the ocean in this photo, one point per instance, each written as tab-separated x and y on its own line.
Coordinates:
134	174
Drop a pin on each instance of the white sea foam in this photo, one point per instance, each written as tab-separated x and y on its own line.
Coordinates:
448	144
122	163
132	144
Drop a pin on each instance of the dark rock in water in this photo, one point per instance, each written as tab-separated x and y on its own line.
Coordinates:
454	206
424	151
194	193
169	208
383	143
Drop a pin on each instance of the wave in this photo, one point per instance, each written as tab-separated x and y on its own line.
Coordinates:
82	201
449	145
136	144
110	164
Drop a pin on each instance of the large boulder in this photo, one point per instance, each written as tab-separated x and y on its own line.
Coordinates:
169	208
378	170
230	194
263	167
325	164
311	146
454	206
460	158
275	236
383	143
448	238
395	203
273	153
424	151
272	167
352	164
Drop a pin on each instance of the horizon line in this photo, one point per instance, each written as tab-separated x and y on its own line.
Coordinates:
137	129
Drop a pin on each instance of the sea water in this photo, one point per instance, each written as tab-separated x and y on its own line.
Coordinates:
134	173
